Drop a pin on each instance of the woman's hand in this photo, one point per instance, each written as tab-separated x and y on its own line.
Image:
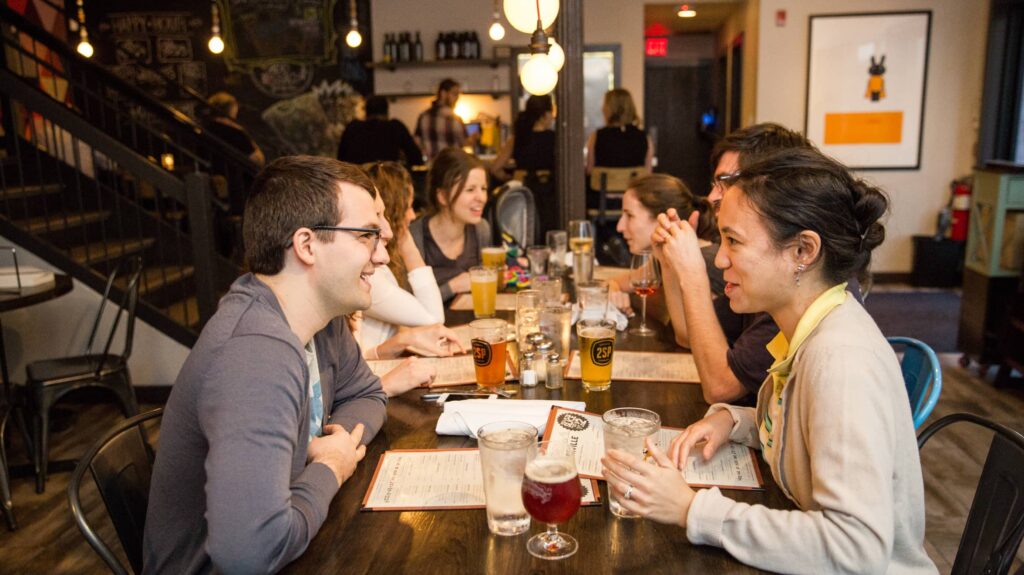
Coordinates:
431	341
657	492
714	430
460	283
409	374
679	245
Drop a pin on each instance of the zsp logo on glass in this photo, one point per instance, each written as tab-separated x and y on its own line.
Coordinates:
601	352
481	353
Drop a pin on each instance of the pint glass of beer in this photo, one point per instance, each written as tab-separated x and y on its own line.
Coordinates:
493	257
597	342
483	283
489	351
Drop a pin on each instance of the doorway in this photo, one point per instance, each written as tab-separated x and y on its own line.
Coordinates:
675	99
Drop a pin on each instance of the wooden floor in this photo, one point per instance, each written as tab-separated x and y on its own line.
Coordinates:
48	542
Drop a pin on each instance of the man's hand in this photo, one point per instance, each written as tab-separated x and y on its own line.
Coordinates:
339	450
679	245
411	373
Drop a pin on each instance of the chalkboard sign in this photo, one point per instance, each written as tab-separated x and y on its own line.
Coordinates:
295	31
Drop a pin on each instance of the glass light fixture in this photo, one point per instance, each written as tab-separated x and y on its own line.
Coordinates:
354	39
216	43
522	14
84	47
686	12
556	55
538	75
496	31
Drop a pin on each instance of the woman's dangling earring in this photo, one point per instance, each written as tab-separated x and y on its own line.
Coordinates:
799	270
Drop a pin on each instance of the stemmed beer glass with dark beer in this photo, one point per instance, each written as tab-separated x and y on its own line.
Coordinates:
551	495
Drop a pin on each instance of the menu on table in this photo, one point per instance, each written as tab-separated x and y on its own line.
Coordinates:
426	479
644	366
733	466
464	302
455	370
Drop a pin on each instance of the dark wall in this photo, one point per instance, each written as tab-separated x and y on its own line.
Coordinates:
285	61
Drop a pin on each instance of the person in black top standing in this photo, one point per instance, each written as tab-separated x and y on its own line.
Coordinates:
378	139
224	126
532	145
620	144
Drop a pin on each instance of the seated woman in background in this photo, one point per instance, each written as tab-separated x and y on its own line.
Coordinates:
832	417
532	144
620	144
453	232
646	197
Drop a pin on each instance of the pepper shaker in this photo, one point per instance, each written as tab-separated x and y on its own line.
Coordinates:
555	366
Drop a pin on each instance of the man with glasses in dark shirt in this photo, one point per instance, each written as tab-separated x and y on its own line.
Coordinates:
273	408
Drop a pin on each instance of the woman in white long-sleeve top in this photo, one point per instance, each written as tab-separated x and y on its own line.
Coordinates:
832	418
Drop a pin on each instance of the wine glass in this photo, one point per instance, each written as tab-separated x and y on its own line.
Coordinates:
645	275
581	242
551	495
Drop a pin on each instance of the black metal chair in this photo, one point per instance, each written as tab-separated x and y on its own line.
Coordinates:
5	486
121	463
995	524
49	380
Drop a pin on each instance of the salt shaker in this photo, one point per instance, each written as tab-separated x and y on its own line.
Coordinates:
545	347
527	368
555	365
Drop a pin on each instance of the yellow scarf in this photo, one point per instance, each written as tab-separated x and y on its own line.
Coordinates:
784	351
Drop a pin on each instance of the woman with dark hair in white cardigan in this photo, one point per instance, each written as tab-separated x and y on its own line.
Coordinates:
832	418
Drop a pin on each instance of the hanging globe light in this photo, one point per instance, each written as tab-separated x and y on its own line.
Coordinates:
216	44
556	54
353	38
522	14
538	75
496	31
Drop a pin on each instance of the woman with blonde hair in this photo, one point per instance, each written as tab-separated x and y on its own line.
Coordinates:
621	143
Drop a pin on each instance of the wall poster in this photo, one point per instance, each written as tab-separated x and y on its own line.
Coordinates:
866	79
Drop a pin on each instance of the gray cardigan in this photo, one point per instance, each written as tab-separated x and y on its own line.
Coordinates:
231	490
483	236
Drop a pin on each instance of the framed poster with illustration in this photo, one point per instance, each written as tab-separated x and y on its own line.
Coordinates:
866	78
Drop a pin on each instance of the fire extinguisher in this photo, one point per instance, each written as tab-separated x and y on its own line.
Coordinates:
960	202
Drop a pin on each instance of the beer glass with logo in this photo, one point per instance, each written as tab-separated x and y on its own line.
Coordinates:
597	344
551	494
489	347
625	429
505	447
483	284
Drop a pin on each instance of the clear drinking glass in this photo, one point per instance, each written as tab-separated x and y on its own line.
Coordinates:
505	447
528	306
551	494
558	241
539	256
625	429
645	275
581	242
556	323
592	297
550	289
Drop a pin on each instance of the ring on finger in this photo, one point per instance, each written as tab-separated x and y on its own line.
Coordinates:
629	493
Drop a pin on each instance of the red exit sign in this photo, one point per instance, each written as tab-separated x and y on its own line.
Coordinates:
657	47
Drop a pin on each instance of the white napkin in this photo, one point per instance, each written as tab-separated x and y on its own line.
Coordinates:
612	314
466	416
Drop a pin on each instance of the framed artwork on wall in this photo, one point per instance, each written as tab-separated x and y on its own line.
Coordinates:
866	80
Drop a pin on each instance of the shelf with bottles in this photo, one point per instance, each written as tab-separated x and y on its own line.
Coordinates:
393	66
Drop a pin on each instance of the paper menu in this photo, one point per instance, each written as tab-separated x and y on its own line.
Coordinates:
644	366
417	480
464	302
734	466
455	370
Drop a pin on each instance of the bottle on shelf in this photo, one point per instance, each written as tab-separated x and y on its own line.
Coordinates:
454	46
417	50
386	56
404	48
441	47
476	44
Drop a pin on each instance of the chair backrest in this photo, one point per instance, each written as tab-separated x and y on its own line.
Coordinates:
922	375
121	463
516	214
130	269
614	180
995	524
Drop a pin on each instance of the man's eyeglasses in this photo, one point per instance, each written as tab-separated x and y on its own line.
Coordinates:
724	180
370	237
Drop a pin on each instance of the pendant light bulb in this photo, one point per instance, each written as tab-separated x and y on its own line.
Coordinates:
522	14
555	55
84	47
538	75
496	31
216	44
354	39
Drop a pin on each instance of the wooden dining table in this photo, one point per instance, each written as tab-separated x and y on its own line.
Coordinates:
458	541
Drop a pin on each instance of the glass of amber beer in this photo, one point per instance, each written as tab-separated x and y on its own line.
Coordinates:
597	343
551	495
493	257
483	284
489	352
